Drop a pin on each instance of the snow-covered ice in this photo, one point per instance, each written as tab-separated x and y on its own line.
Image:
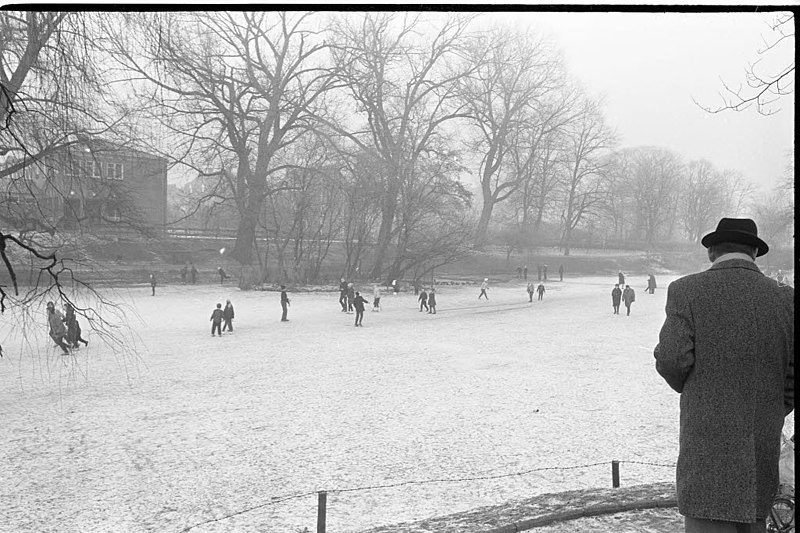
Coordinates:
197	428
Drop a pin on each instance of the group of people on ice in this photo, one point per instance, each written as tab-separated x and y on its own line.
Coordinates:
628	295
222	317
541	272
64	328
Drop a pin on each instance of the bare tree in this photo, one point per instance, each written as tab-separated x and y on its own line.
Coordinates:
507	97
52	99
703	198
654	185
587	141
404	86
766	81
231	90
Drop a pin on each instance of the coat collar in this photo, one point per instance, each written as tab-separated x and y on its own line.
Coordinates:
736	263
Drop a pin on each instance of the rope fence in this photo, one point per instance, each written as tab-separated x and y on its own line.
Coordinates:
322	494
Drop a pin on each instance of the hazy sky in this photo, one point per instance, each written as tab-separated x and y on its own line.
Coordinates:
649	66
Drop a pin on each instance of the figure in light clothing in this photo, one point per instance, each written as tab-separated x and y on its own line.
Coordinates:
57	330
484	288
376	298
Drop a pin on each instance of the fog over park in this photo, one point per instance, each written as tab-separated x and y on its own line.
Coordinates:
157	163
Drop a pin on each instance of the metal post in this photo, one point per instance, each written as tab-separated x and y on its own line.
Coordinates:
615	474
321	508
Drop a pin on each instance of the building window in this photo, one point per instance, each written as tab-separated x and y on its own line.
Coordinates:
112	213
97	169
114	170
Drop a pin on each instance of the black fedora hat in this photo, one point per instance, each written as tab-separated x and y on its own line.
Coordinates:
739	230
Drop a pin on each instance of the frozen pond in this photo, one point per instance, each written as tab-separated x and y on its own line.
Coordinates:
205	427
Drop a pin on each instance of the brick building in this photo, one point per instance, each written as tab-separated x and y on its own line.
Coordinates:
89	186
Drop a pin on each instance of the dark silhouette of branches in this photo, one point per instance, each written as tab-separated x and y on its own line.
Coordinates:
764	85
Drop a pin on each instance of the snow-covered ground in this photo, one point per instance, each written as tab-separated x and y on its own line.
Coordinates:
197	428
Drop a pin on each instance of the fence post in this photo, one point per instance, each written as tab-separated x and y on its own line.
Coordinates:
321	507
615	474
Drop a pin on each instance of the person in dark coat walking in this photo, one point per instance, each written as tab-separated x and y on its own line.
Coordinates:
57	330
432	302
621	277
216	321
727	347
519	272
616	298
560	272
284	304
651	283
531	290
227	316
343	295
153	284
358	304
423	300
193	274
73	327
222	275
628	297
540	290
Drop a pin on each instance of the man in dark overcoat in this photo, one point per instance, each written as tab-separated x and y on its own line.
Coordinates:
616	298
727	346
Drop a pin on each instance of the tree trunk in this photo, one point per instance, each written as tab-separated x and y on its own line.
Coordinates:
486	216
387	224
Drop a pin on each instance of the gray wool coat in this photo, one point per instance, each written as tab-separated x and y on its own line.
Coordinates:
727	346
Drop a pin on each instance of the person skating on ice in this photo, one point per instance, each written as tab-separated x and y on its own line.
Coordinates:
216	321
351	294
57	330
153	284
284	304
484	288
73	327
540	290
343	295
358	304
227	316
423	300
222	275
376	298
432	302
530	290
